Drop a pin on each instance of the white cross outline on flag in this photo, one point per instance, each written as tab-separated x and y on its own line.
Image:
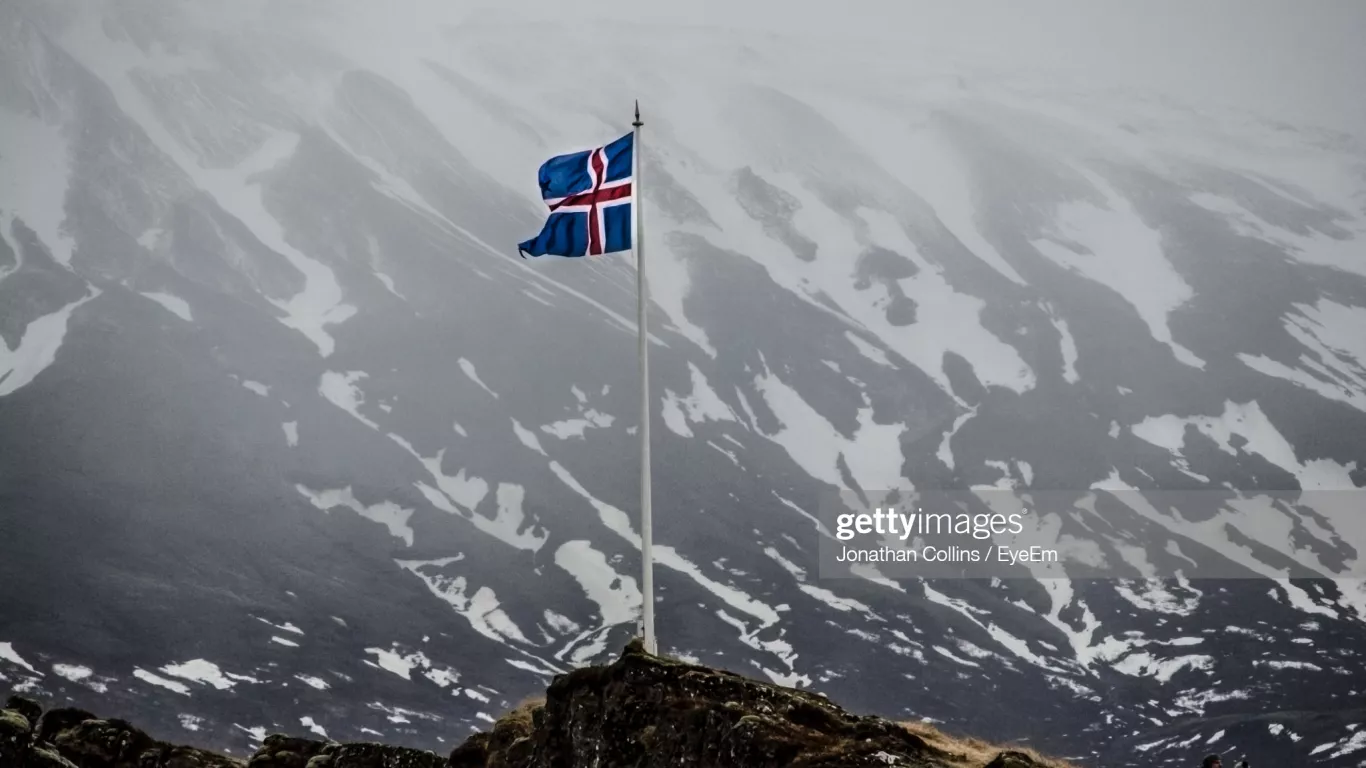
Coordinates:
600	196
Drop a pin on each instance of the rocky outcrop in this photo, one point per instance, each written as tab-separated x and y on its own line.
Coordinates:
19	746
641	711
285	752
73	738
644	710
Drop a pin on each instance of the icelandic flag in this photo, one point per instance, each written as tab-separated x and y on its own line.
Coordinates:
589	194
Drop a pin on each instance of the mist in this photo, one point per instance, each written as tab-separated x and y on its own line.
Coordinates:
1301	63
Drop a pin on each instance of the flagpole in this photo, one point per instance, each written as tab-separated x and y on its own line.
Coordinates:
647	581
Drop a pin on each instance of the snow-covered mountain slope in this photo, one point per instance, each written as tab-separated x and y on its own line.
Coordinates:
288	428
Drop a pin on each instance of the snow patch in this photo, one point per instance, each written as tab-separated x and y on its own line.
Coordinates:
200	671
389	284
918	157
74	673
286	627
468	368
258	733
481	609
619	523
1069	348
170	685
527	438
1318	249
1261	436
340	389
940	306
873	454
36	167
576	427
946	653
617	597
1143	664
1356	743
312	726
1113	246
386	513
945	452
1010	642
1287	664
7	653
316	683
868	350
37	347
174	304
239	192
509	525
1333	363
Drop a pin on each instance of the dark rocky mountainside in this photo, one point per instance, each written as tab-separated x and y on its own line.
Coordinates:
642	710
292	440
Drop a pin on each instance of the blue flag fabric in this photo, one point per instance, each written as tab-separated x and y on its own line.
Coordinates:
589	194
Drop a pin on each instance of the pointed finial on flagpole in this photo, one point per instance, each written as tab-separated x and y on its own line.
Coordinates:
637	123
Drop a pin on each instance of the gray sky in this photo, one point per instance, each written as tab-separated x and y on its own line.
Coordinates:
1288	58
1294	60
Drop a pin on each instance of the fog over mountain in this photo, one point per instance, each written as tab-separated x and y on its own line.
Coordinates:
292	440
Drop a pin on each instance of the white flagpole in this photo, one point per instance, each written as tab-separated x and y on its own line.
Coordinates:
647	581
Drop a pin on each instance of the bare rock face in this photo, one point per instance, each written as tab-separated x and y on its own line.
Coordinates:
645	710
509	744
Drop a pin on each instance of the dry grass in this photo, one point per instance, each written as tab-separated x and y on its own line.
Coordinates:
521	714
964	751
972	752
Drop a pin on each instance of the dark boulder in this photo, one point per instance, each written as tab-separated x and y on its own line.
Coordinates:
54	721
30	709
1014	759
103	744
15	737
286	752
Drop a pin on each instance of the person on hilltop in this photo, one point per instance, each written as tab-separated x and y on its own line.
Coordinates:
1211	761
